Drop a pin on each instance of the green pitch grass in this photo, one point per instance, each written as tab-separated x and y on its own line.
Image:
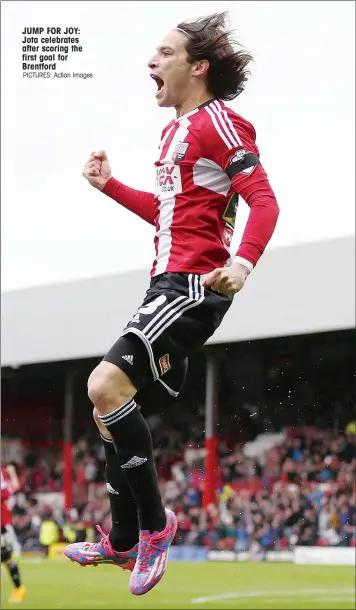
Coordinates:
60	585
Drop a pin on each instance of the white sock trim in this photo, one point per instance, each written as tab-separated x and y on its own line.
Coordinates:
120	413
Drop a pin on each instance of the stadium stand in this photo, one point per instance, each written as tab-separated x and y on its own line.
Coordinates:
297	491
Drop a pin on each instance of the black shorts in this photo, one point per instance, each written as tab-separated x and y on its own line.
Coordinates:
6	545
178	315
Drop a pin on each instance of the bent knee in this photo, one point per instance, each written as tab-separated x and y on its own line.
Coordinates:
99	424
108	386
96	417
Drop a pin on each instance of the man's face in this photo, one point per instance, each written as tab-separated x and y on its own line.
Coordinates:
171	69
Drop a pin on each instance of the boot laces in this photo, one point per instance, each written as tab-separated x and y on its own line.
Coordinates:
148	548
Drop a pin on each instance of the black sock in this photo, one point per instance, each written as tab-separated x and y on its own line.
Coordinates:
14	573
125	529
133	445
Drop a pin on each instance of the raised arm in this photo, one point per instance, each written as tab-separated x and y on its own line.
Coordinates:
97	171
138	202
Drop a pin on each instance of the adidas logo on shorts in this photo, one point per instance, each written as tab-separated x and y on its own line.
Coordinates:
128	359
135	461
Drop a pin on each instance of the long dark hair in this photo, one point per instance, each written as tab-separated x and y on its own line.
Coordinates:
209	38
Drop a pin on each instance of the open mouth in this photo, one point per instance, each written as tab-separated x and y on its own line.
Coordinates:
160	83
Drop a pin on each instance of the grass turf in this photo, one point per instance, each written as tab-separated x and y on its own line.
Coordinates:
59	585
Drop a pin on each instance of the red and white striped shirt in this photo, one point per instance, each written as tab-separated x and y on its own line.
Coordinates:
6	500
207	158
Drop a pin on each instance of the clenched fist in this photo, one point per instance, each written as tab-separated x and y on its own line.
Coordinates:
97	169
227	280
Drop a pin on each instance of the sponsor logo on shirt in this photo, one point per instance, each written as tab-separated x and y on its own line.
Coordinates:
229	217
230	211
168	179
227	236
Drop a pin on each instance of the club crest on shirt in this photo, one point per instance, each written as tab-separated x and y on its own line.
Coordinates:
164	364
180	151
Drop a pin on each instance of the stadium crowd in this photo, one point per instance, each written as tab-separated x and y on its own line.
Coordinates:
301	491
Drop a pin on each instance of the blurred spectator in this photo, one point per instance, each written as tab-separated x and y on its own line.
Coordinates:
300	492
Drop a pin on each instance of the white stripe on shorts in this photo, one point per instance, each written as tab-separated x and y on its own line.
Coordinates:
171	310
167	316
177	312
